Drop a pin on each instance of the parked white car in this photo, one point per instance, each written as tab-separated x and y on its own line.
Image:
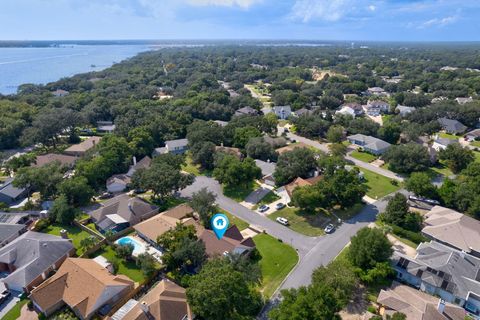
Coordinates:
282	221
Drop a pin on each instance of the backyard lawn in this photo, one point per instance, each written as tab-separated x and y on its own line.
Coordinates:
190	167
128	268
442	169
448	136
363	156
277	260
475	144
378	185
240	192
14	313
74	233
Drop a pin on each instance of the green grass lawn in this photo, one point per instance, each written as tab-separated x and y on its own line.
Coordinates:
308	224
448	136
239	193
475	144
441	168
277	260
477	156
363	156
74	233
128	268
241	225
378	185
190	167
14	313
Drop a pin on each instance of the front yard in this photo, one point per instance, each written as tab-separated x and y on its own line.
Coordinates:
128	268
277	260
269	198
14	313
74	233
363	156
240	192
241	225
378	185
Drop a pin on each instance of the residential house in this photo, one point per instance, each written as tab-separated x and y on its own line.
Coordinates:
376	108
453	229
122	212
357	107
472	135
62	159
166	301
301	112
347	111
178	146
416	305
462	100
444	272
275	142
10	194
221	123
152	228
80	149
268	168
452	126
231	242
442	143
291	147
404	110
60	93
15	217
246	111
10	231
282	112
369	144
118	183
142	164
298	182
84	286
105	126
28	260
377	91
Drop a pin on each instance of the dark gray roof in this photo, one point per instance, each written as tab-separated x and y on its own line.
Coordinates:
303	111
31	254
370	142
176	143
443	267
142	164
12	217
282	108
246	111
266	167
7	230
7	189
451	125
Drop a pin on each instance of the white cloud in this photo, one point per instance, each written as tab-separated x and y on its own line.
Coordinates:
372	8
438	22
225	3
328	10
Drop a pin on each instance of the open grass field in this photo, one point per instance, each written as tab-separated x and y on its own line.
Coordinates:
277	260
308	224
378	186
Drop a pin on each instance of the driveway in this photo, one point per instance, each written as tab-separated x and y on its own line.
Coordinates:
255	197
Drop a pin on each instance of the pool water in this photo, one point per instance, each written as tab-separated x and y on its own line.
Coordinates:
138	248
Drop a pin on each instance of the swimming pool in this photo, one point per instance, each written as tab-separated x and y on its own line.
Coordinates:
138	248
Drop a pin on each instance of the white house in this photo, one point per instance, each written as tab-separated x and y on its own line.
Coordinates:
346	110
282	112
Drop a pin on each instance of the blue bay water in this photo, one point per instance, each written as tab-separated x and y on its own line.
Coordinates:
44	65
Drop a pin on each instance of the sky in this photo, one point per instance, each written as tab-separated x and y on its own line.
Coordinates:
378	20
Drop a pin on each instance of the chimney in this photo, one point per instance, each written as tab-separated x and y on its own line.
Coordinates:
134	160
64	234
441	306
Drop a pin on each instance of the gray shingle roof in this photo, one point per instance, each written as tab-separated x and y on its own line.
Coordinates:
370	142
178	143
451	125
443	267
266	167
7	230
31	254
7	189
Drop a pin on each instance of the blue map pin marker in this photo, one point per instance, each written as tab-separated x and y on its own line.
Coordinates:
219	223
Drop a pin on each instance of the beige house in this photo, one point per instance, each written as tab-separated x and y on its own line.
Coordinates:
454	229
83	285
166	301
80	149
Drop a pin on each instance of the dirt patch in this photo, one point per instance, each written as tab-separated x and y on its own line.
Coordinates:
357	307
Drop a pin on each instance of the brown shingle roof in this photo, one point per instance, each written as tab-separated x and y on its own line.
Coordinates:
83	285
292	146
300	182
83	146
166	301
179	212
231	241
63	159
